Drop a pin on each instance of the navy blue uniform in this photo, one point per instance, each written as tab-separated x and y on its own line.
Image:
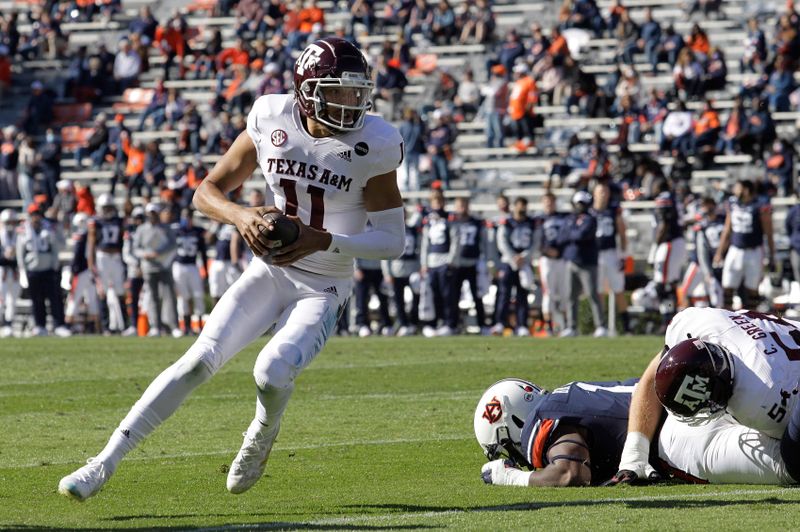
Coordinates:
551	226
223	244
469	238
667	216
79	261
746	230
110	232
411	249
438	223
578	237
793	228
600	408
190	242
606	227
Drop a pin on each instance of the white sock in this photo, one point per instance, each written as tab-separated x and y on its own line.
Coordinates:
270	404
163	397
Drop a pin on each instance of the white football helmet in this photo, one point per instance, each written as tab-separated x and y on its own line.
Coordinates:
105	200
9	216
501	414
80	222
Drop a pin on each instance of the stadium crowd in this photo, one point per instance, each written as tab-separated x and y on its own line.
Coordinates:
517	258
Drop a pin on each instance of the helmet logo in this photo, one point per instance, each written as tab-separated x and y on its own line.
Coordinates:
308	60
694	389
493	410
279	137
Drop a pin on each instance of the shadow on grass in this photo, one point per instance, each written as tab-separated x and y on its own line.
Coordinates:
278	525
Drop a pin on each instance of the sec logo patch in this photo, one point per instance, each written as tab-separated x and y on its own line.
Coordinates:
362	148
279	137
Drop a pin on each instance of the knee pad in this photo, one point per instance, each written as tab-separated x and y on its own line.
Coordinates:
276	366
192	369
206	353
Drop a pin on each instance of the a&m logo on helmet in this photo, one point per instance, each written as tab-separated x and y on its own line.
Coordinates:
308	60
493	410
279	138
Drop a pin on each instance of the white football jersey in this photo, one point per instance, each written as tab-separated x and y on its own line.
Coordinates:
766	361
321	180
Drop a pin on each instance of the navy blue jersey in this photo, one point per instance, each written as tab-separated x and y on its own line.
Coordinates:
79	260
600	408
190	242
667	215
469	237
606	227
520	233
109	234
223	244
746	230
438	223
551	226
411	249
579	240
706	239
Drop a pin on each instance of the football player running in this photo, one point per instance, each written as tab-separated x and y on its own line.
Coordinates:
729	382
331	168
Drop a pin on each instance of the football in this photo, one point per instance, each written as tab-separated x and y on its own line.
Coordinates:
284	230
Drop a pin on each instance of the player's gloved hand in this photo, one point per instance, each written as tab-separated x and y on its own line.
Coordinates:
504	473
633	464
626	476
249	222
308	241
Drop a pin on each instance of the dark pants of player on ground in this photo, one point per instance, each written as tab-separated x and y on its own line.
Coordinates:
586	277
372	280
508	281
469	274
441	281
404	318
156	282
45	286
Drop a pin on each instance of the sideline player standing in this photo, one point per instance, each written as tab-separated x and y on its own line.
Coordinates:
670	251
332	168
552	268
610	261
748	220
191	242
104	254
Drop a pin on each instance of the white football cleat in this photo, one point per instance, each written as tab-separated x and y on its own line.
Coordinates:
600	332
569	332
62	332
523	331
130	331
177	333
445	330
364	331
428	331
497	329
250	462
39	331
406	330
152	333
6	331
86	481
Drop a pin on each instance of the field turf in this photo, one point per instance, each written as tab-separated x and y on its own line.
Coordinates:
378	436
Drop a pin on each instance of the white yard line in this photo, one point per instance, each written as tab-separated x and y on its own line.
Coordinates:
278	447
393	517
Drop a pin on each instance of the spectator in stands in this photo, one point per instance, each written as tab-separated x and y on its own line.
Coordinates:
49	161
494	105
389	84
362	12
755	48
706	6
9	33
629	85
127	66
515	274
26	168
154	245
38	245
96	145
468	97
134	169
412	129
5	70
780	167
627	35
706	133
511	49
250	19
272	82
154	169
476	22
669	48
648	40
171	40
697	41
687	75
440	147
537	45
586	15
64	204
780	85
190	128
306	18
716	72
9	158
676	132
760	130
734	129
419	19
521	104
39	110
144	24
442	28
9	271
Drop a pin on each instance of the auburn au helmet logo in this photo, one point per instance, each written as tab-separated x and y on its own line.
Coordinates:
493	410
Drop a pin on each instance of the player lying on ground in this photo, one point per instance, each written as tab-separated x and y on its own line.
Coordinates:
729	381
332	168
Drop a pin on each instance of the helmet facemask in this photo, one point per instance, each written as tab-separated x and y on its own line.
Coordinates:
339	103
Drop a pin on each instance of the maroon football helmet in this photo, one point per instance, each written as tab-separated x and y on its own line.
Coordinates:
694	380
332	84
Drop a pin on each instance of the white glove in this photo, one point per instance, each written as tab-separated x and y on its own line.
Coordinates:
504	473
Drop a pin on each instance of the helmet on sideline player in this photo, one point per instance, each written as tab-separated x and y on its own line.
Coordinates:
501	414
324	74
9	216
105	203
694	380
80	222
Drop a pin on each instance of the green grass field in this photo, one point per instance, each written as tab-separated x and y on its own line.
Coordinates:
377	436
